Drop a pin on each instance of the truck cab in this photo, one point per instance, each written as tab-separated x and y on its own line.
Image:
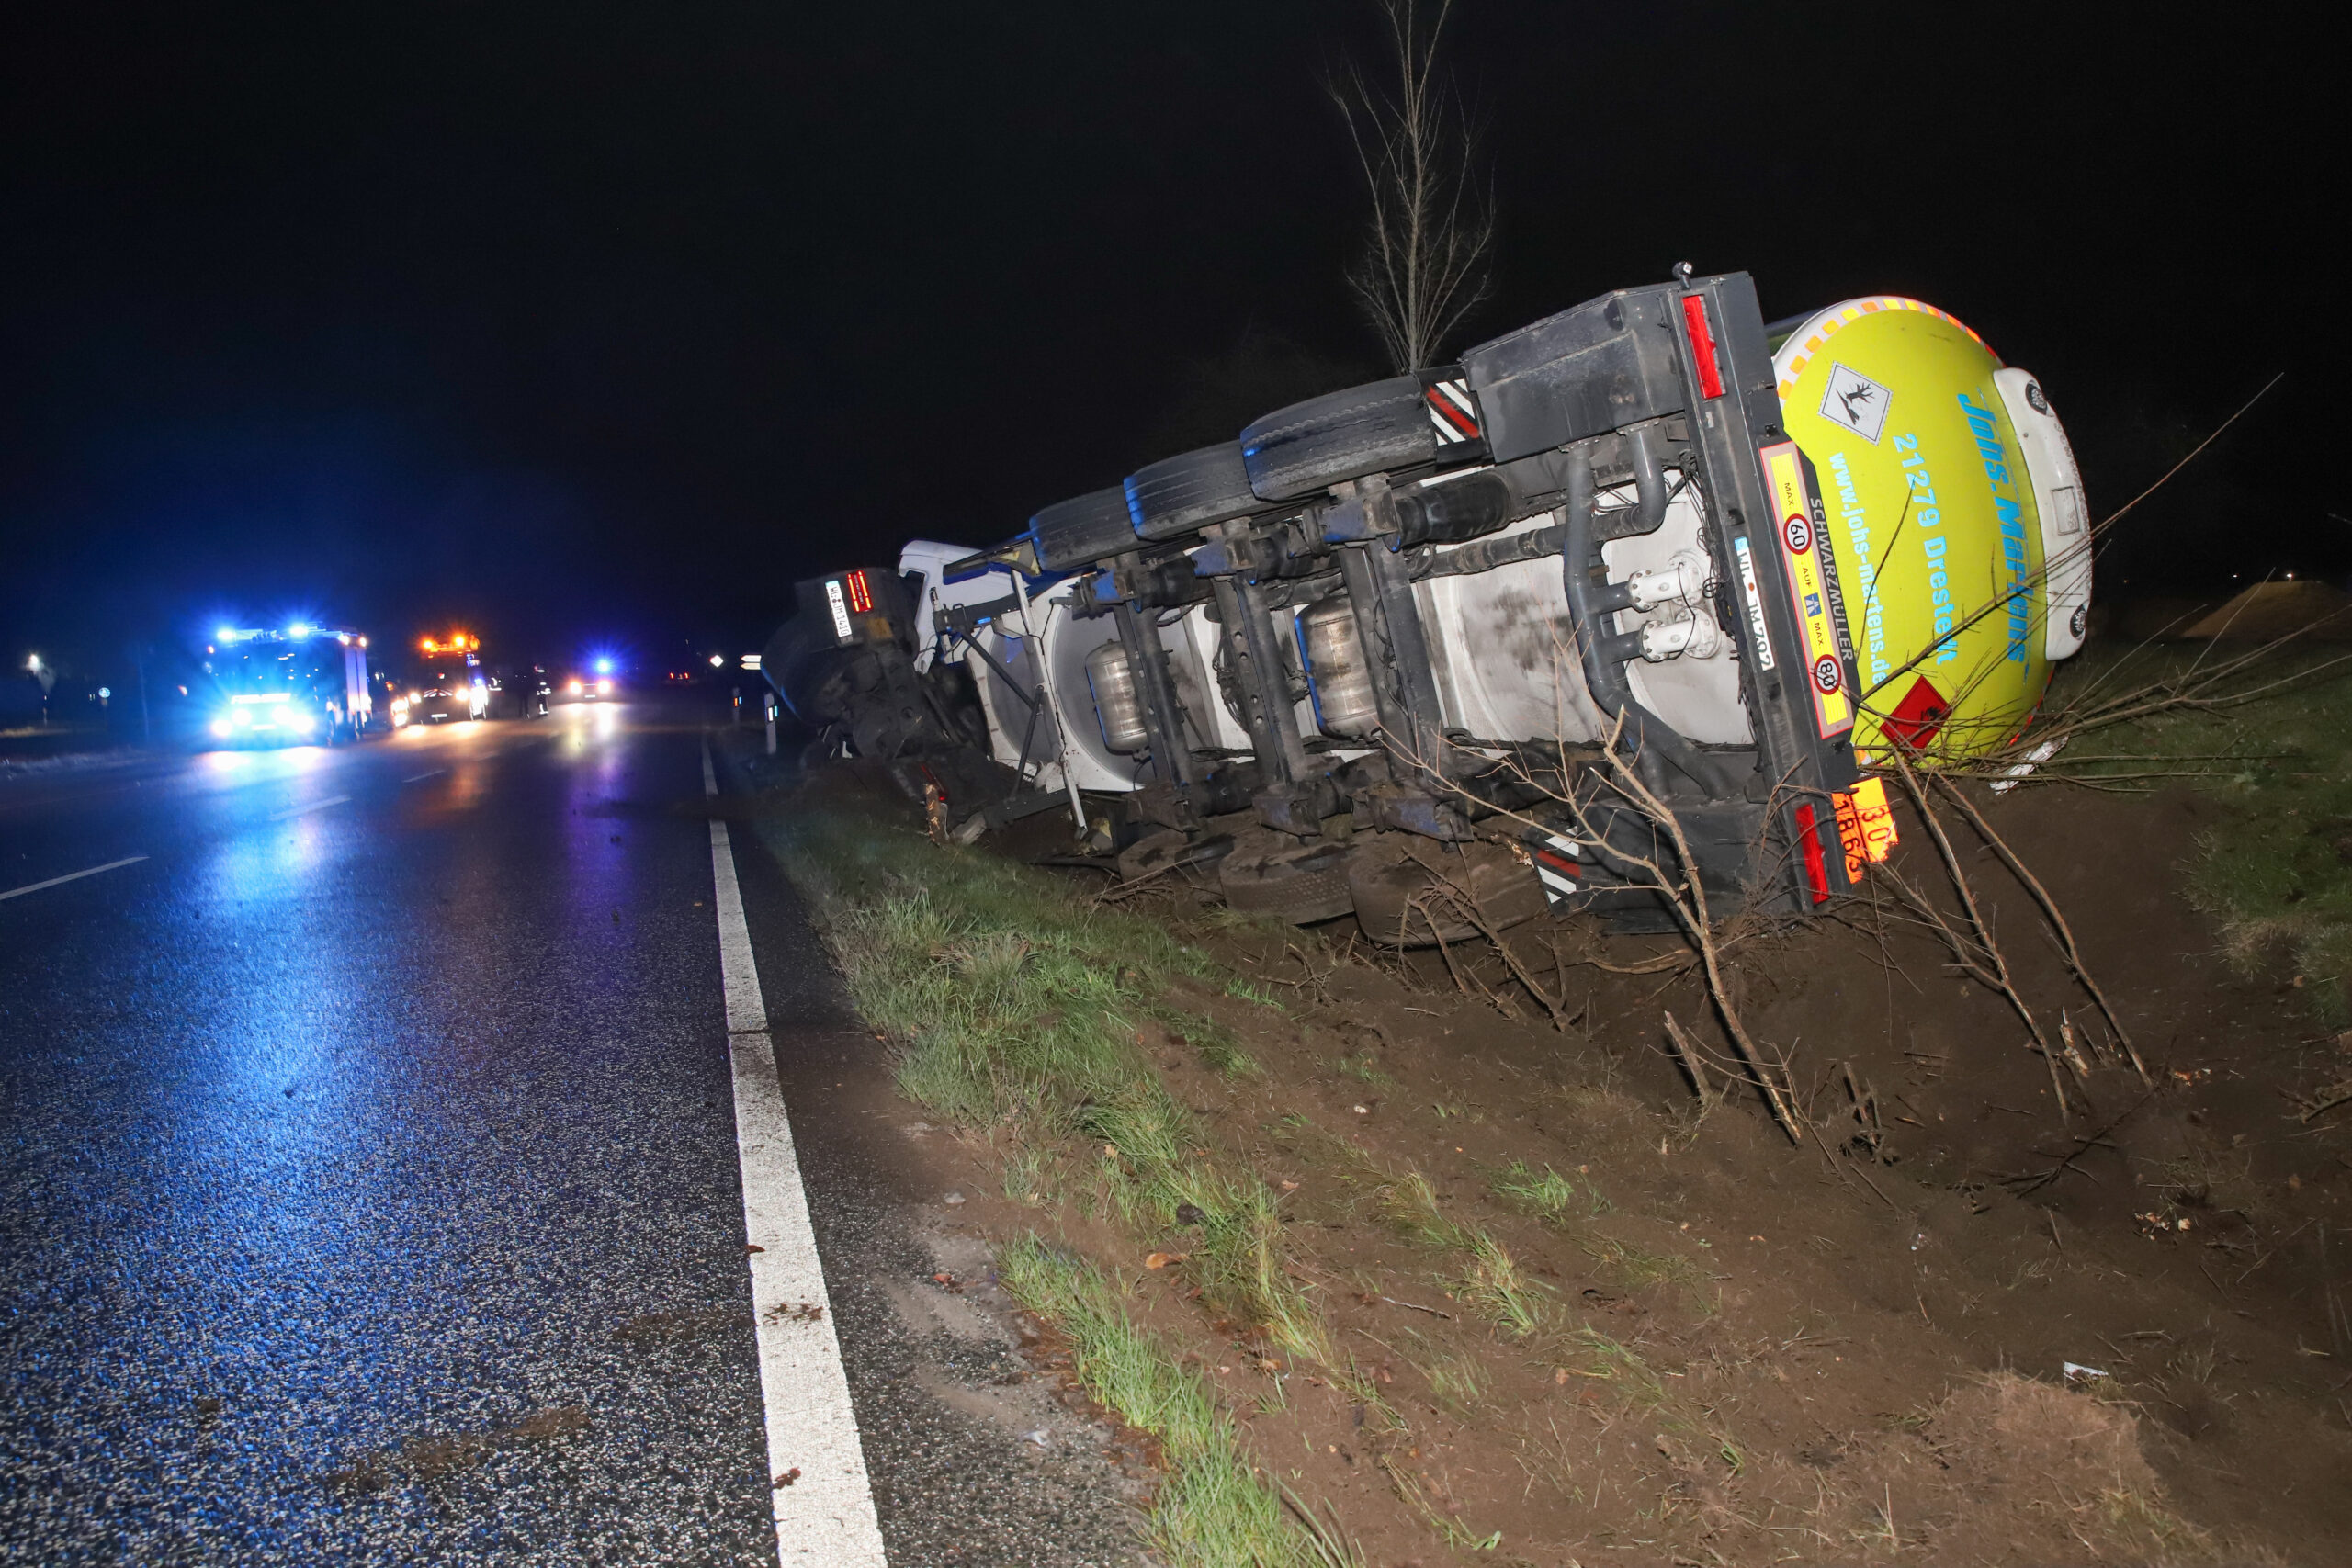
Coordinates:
448	682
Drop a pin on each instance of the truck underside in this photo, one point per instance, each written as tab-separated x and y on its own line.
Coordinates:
1615	615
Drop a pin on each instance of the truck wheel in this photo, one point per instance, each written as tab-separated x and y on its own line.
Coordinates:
1408	895
1167	851
1177	496
1312	445
1300	886
1083	530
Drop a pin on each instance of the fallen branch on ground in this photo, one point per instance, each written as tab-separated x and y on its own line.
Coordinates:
1998	974
2073	953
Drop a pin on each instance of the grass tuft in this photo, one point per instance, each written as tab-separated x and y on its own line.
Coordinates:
1220	1053
1639	1265
1493	1287
1546	1195
1408	1205
1490	1283
1211	1511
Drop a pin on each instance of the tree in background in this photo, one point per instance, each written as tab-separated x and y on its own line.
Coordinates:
1430	239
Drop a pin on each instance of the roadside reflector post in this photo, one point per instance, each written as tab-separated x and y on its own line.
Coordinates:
770	706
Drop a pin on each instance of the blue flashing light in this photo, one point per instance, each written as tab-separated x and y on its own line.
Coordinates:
603	666
225	633
298	630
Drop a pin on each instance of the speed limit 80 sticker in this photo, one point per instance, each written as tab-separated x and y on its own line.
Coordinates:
1810	585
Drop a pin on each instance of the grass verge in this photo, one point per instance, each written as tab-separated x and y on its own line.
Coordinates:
1016	1009
1212	1509
2274	875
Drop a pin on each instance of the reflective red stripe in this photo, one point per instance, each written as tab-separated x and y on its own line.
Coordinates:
860	598
1702	346
1452	412
1817	864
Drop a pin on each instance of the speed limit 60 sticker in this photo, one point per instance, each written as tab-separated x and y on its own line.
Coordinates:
1811	584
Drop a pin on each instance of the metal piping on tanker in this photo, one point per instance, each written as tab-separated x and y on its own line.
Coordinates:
1604	655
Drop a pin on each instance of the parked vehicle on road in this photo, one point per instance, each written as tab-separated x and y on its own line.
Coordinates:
1636	594
448	682
593	682
296	685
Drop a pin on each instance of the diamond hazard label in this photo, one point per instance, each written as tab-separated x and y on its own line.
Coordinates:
1855	402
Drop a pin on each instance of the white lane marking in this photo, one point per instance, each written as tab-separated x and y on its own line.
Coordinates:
70	876
826	1516
419	778
306	810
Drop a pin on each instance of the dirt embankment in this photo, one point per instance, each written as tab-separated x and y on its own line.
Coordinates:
1582	1314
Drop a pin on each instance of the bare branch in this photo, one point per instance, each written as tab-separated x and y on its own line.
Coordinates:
1994	969
1430	234
2072	953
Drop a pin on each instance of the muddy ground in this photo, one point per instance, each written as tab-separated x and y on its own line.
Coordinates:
1853	1348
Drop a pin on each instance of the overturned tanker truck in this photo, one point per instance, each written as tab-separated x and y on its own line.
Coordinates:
1633	597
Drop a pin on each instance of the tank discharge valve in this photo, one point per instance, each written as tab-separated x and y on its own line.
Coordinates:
1683	580
1695	634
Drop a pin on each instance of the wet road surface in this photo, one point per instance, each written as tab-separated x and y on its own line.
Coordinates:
369	1182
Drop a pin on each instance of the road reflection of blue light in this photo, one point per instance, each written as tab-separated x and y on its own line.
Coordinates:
370	1123
587	722
596	863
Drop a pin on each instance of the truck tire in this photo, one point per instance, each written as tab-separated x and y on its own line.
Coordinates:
1388	884
1180	495
1083	529
1171	851
1312	445
1301	885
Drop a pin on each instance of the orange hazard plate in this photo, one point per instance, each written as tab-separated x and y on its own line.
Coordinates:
1865	825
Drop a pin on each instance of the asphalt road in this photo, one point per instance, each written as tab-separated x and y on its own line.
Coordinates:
370	1192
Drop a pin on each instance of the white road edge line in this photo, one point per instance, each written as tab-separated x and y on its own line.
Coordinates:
430	773
306	810
70	876
825	1517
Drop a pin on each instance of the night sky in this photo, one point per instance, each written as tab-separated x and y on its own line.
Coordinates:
588	324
